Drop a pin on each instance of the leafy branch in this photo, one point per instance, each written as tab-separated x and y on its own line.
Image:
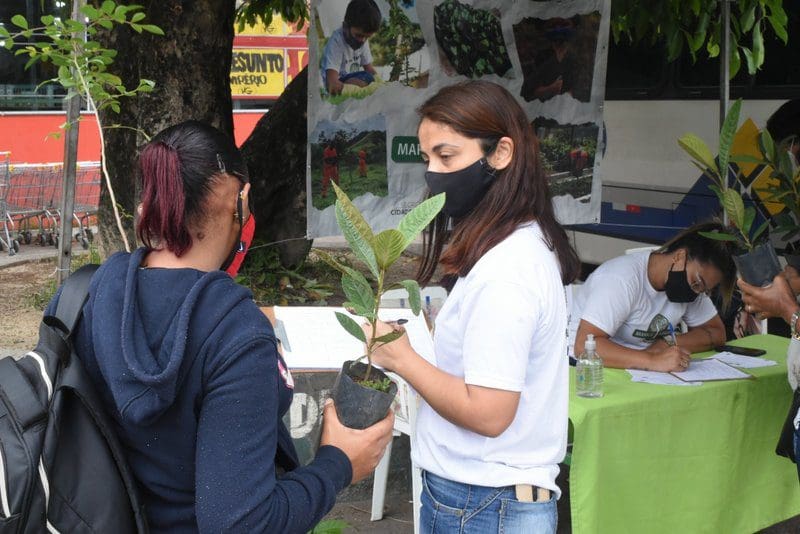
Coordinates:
377	252
696	25
82	62
741	218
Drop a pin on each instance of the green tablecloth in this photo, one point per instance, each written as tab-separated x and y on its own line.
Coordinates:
649	458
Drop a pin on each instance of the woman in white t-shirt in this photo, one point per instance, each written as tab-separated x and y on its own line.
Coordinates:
633	304
493	425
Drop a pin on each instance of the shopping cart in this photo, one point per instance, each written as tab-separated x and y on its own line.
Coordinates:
87	200
20	204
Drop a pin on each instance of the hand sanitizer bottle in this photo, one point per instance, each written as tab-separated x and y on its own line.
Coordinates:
589	371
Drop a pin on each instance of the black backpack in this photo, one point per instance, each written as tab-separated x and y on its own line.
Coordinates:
62	468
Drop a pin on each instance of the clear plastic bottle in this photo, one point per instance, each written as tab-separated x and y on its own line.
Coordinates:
589	371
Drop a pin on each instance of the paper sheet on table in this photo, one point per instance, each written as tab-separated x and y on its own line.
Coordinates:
710	369
312	337
745	362
656	377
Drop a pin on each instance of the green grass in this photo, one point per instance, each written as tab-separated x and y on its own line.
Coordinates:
376	182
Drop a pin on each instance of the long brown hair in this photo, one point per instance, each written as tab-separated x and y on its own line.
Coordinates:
486	111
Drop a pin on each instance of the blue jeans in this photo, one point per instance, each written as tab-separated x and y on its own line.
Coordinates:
796	451
452	507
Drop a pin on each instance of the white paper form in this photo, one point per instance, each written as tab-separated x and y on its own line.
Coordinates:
710	369
745	362
657	377
314	339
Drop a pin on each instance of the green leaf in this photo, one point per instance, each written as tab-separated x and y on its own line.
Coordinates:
356	230
137	17
734	206
748	57
719	236
391	336
416	220
388	246
726	135
697	149
330	526
766	145
760	231
736	62
89	12
746	158
758	47
105	23
359	292
749	217
414	300
779	29
108	7
352	327
19	21
152	28
748	18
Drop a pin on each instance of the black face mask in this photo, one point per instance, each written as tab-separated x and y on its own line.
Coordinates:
463	189
678	288
351	41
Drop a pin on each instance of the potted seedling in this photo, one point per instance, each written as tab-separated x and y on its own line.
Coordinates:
757	262
363	393
784	189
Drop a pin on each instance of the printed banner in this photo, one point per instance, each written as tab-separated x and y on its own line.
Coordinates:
364	91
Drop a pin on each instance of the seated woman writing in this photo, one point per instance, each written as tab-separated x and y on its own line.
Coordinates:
633	304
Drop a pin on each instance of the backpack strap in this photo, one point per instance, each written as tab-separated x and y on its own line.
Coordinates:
73	296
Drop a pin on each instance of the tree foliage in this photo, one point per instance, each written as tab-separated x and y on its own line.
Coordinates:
696	25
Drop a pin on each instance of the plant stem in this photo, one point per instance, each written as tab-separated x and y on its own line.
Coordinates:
104	168
374	323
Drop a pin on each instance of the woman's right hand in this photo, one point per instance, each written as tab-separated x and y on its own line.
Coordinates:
666	358
388	355
364	448
774	300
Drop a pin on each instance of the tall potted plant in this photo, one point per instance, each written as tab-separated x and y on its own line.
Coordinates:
757	262
784	189
363	393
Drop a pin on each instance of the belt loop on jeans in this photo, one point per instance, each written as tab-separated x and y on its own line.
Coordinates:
529	493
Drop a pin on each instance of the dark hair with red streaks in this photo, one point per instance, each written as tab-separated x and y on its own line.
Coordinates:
178	169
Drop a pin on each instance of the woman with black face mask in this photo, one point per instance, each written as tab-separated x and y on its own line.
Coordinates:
631	303
493	425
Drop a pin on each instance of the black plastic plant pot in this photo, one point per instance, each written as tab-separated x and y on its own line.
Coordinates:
759	266
358	406
792	254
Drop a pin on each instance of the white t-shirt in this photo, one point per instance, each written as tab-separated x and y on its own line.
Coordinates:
504	326
340	57
619	300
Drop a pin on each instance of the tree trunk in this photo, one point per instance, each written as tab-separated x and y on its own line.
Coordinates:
276	157
190	65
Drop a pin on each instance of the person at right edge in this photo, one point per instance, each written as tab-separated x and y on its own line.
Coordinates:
779	299
493	425
189	368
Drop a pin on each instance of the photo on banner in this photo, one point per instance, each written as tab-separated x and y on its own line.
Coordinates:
354	60
363	134
568	155
557	55
351	155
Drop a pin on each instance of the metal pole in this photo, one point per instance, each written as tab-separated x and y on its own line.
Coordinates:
724	62
70	169
724	80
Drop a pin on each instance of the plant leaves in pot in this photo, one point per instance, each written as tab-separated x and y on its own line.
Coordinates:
362	393
758	261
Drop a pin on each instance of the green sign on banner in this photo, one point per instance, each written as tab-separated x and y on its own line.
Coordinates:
405	149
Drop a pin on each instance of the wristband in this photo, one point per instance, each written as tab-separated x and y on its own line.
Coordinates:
793	325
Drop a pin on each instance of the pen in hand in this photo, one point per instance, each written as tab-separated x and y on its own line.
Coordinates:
672	335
